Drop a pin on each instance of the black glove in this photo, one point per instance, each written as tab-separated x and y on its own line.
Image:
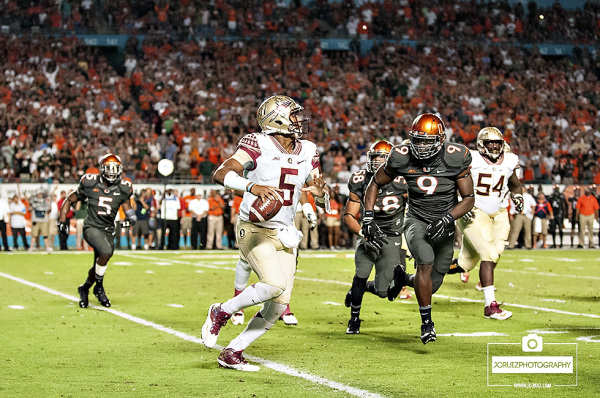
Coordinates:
436	229
519	203
469	216
63	228
371	231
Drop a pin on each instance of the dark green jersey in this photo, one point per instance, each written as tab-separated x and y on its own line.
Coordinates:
432	183
103	200
390	204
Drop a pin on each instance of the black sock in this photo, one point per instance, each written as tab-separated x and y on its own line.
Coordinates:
99	279
355	313
358	291
409	280
425	313
370	287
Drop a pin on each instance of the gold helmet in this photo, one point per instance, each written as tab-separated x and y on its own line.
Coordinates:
427	135
378	154
490	142
279	115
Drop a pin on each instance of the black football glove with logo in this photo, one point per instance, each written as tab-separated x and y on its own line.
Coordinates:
519	203
63	228
441	228
371	231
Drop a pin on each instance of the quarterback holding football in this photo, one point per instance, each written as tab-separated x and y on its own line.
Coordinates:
276	164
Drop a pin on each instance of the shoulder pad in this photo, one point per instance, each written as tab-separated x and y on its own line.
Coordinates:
399	157
126	185
457	155
89	179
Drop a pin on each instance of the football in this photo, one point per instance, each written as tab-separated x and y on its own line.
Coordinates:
265	210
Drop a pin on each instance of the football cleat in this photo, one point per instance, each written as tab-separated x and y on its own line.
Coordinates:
101	295
397	283
454	267
228	358
493	311
348	299
215	320
353	326
83	296
289	319
428	332
464	277
238	318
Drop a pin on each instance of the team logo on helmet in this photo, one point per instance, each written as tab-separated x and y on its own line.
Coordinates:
377	154
427	135
490	142
111	168
279	114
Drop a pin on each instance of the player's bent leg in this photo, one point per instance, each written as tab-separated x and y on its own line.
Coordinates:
242	275
231	356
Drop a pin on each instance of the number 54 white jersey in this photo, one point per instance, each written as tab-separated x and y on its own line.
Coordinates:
266	162
490	181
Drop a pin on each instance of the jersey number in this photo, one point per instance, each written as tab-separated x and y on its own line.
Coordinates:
486	186
288	189
358	176
390	204
427	184
104	201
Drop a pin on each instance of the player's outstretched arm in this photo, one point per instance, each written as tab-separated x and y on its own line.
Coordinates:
514	184
317	188
465	187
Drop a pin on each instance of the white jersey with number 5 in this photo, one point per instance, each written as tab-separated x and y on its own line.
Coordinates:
266	162
490	180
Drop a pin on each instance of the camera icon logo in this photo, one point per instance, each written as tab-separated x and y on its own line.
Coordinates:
532	343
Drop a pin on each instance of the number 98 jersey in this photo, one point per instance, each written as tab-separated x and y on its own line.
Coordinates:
432	183
390	205
103	200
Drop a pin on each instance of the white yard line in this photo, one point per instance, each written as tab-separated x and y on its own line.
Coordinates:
547	274
463	299
265	362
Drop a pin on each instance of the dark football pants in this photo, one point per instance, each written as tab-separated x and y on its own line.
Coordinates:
103	242
421	248
391	254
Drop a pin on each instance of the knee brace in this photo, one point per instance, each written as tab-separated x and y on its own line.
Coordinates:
266	292
271	311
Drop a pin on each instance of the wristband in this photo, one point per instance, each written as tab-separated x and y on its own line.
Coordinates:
233	181
249	187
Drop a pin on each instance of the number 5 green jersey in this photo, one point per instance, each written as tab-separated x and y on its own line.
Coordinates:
103	200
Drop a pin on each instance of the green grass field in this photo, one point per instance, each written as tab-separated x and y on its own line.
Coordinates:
148	343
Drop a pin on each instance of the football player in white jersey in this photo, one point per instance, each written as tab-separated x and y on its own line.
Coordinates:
485	229
276	163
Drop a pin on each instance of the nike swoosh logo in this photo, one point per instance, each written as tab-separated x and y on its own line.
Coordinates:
397	243
389	192
301	161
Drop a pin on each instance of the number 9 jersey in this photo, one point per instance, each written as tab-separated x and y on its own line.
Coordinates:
266	162
432	184
103	199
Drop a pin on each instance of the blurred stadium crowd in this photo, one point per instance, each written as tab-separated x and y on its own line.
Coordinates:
189	90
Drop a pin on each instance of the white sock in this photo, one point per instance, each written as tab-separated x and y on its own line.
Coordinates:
242	274
256	328
489	295
100	269
252	295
